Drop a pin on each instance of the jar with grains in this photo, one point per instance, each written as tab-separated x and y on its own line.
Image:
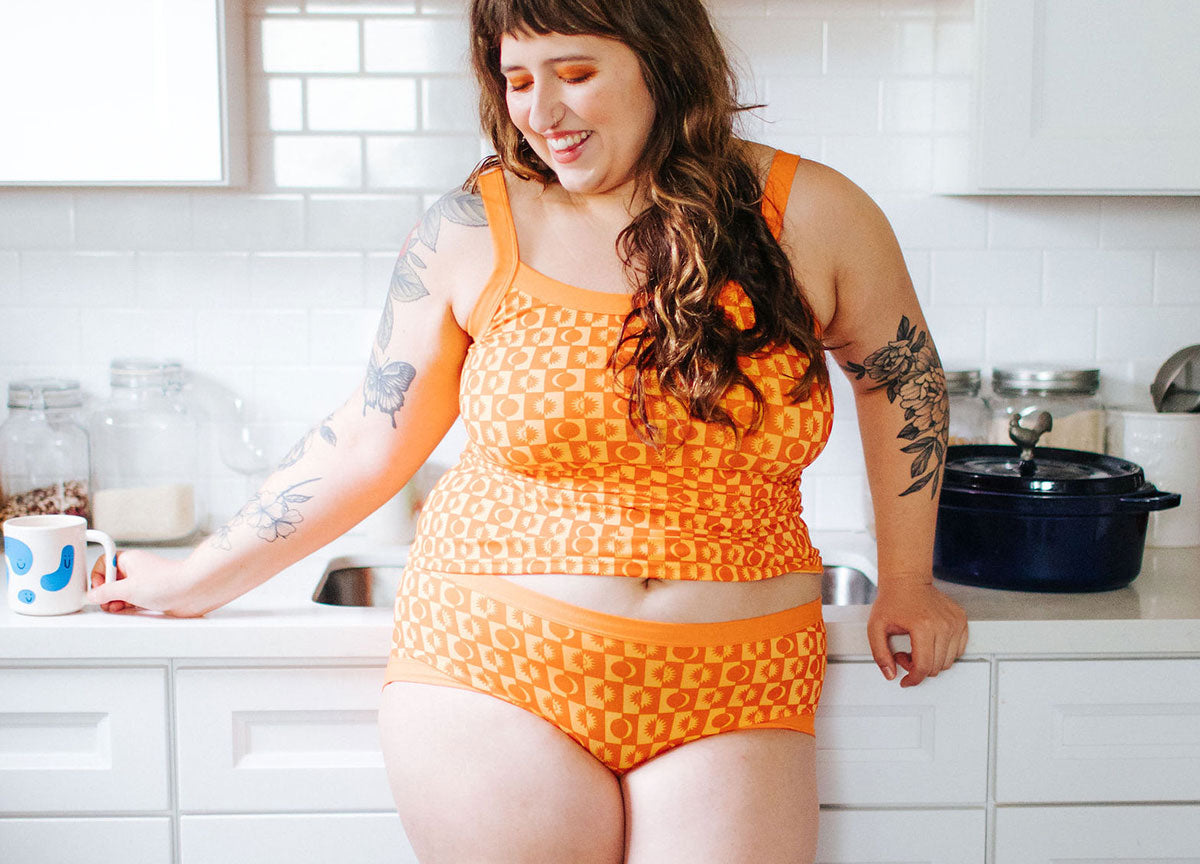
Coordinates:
44	450
969	415
145	455
1069	394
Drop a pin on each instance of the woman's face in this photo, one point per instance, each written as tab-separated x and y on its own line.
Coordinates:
582	105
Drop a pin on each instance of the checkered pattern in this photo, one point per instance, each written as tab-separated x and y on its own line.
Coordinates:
555	479
624	701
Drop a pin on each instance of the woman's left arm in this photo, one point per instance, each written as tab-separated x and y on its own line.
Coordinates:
879	338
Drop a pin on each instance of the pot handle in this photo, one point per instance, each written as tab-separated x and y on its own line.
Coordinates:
1149	498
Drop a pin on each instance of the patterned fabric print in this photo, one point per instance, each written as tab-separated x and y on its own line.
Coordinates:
623	701
555	479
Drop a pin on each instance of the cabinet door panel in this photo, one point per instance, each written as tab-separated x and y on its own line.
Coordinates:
95	841
364	838
1098	835
269	740
902	837
80	740
1089	95
1101	730
880	744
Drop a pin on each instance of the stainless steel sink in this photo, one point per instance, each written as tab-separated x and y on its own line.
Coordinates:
350	581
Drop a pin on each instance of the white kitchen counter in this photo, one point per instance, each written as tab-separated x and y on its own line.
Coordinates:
1158	614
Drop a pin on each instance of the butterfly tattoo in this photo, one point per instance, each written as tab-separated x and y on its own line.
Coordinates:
385	386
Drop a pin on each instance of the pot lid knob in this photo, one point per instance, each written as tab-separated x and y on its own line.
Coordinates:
1026	437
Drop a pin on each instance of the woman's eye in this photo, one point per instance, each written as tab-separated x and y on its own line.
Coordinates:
519	85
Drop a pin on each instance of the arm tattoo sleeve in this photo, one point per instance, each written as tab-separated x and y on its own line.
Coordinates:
271	517
459	207
385	386
909	368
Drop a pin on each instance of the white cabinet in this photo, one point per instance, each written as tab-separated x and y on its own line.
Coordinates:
363	838
111	840
124	92
1091	96
880	744
1101	730
902	837
88	739
283	739
1121	835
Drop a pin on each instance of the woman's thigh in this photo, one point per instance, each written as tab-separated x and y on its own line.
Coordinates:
744	796
478	781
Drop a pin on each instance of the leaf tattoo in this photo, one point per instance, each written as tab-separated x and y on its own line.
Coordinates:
272	518
323	429
385	386
909	368
459	207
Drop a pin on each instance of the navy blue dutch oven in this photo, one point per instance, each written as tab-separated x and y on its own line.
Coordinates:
1065	520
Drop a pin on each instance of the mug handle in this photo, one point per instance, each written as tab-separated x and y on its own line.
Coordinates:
110	553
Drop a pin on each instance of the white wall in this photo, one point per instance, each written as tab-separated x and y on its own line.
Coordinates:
361	113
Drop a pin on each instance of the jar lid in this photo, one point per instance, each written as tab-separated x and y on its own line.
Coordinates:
962	382
142	372
45	393
1045	379
1052	471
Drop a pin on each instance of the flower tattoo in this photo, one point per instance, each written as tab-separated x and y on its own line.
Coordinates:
909	368
272	518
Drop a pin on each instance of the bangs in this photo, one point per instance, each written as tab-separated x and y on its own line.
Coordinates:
570	17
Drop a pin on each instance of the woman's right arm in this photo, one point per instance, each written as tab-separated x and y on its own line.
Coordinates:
356	458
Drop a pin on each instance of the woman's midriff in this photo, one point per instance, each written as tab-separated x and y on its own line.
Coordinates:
673	600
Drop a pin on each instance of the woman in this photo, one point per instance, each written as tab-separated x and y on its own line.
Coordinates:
609	632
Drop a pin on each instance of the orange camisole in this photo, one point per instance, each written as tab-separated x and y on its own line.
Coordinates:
554	478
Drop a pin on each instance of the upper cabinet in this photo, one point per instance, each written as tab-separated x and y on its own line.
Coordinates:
124	92
1087	97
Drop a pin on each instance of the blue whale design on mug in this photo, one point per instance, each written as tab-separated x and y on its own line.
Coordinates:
20	556
58	579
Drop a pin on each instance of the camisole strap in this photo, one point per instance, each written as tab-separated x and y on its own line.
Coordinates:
777	189
504	248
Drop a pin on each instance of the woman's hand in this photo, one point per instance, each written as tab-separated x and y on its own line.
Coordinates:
144	581
935	624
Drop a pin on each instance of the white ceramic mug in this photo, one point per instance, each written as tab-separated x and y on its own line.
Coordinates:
47	564
1167	447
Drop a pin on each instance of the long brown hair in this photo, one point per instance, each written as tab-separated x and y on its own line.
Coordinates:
702	226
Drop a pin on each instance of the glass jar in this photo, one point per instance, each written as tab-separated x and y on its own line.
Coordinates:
44	450
145	453
969	415
1070	395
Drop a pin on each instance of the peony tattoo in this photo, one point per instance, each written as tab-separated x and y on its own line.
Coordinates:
910	369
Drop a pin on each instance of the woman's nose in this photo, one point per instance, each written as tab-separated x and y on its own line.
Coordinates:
546	110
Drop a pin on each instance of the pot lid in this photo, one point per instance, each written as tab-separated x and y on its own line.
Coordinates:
1052	471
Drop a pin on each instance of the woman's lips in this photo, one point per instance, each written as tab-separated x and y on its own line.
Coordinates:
566	148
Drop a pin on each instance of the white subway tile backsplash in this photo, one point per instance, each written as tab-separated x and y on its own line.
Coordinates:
1051	334
960	333
952	105
1078	277
1150	223
341	337
252	337
363	222
920	270
77	278
823	8
132	220
285	104
979	277
440	162
449	105
42	339
374	104
930	222
954	53
295	45
1146	332
878	47
109	333
789	47
1043	223
300	393
10	278
248	222
882	164
35	220
908	105
420	45
815	106
195	280
361	7
288	280
1177	277
311	161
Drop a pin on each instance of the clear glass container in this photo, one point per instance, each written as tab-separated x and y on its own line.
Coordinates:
1070	395
145	455
44	450
969	414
